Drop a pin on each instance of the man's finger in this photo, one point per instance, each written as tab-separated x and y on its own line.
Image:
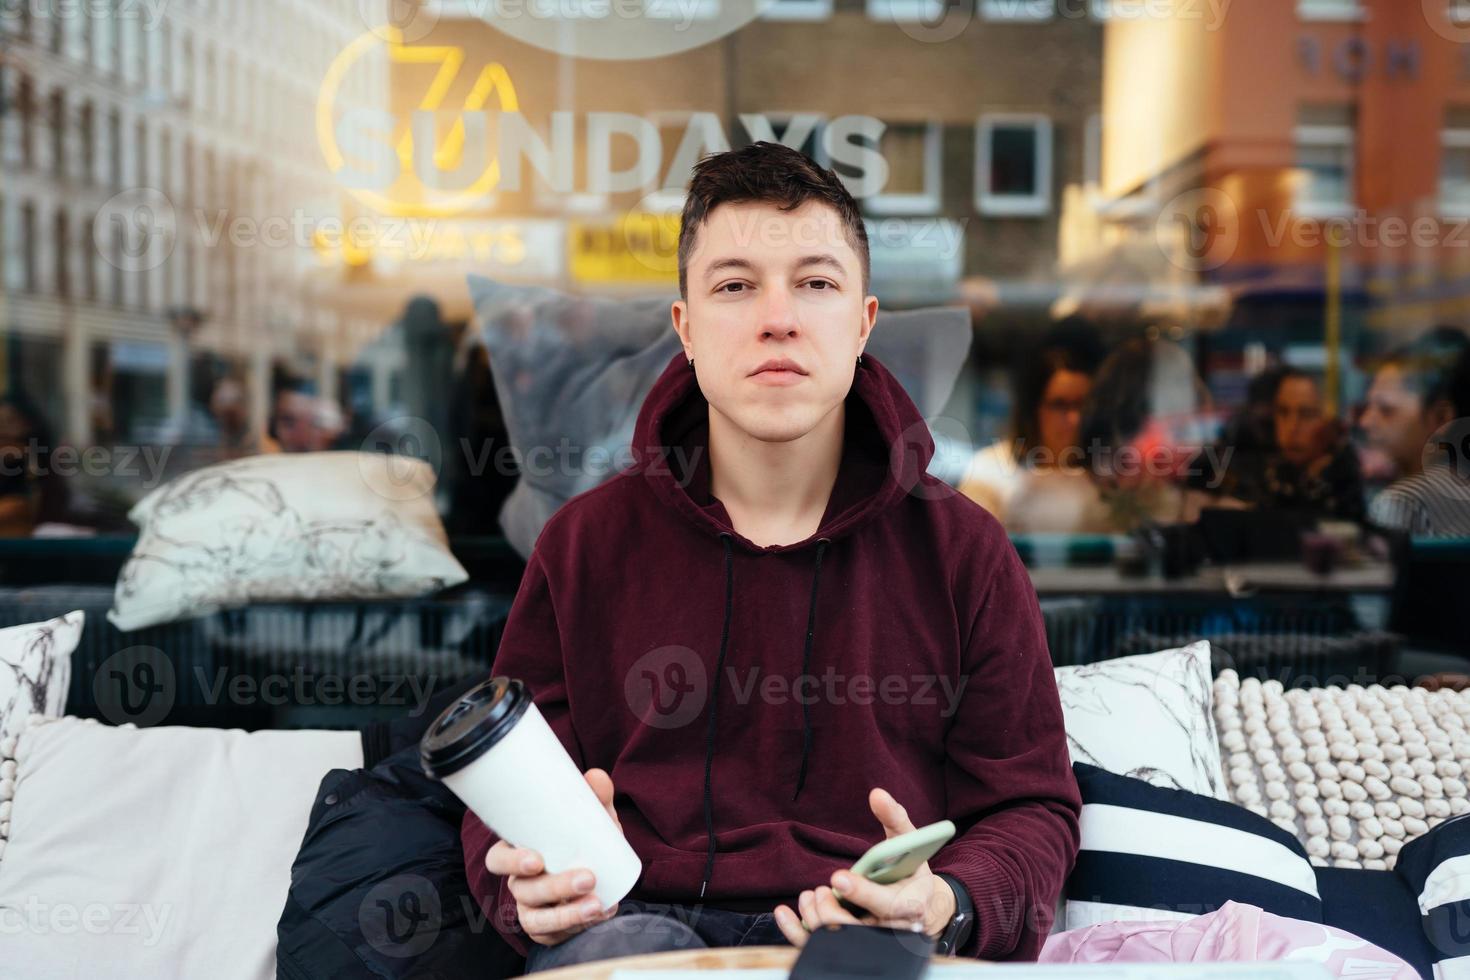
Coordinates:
543	890
890	813
573	916
602	785
877	899
790	925
504	859
829	912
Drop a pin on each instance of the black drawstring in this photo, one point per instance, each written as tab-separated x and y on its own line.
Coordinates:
714	707
806	657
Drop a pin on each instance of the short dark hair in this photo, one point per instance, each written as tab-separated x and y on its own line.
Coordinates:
1071	344
769	173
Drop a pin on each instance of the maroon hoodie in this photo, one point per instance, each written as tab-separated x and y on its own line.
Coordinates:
746	699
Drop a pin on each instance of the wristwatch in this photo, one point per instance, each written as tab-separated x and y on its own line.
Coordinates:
961	924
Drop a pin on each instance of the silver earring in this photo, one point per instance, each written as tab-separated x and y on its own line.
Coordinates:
691	364
860	360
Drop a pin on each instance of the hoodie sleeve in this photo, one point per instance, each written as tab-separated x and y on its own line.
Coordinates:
530	650
1008	775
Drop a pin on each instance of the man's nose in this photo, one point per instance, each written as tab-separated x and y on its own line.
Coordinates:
778	314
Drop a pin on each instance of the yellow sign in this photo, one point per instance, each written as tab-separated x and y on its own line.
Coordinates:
408	196
639	247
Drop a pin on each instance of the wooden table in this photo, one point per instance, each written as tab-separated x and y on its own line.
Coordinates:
732	958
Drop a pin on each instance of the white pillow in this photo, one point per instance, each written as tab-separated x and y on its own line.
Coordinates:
159	852
1149	717
284	527
1356	772
35	671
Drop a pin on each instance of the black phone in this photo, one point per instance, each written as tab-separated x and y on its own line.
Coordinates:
863	951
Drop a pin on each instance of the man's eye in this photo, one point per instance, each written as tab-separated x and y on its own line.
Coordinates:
820	282
727	287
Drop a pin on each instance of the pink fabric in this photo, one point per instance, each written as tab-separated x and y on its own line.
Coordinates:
1234	933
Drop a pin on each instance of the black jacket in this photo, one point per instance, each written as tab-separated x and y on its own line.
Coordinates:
378	888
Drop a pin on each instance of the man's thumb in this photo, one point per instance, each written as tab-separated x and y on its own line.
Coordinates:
893	817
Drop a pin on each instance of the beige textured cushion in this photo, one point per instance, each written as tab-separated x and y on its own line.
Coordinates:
155	853
1354	772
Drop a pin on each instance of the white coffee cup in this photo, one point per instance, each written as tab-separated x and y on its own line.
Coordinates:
496	752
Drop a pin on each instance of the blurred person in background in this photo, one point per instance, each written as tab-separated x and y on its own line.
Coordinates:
301	421
31	492
1035	481
1435	501
1147	418
1409	399
1287	454
229	405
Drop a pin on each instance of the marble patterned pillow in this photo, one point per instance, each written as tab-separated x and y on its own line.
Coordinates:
1150	717
35	670
296	527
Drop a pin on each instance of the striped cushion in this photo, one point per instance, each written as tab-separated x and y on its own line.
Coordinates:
1436	867
1155	853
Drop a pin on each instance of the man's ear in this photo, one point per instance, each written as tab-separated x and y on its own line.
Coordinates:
870	319
1439	415
679	314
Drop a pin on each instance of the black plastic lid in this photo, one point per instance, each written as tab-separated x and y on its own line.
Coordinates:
472	725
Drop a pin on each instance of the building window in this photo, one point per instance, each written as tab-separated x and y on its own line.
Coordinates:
913	154
1324	161
1013	156
29	242
1092	144
1330	10
1454	165
57	117
797	10
114	148
906	11
61	254
1022	10
87	136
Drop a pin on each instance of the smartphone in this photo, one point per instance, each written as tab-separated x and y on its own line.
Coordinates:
844	952
898	857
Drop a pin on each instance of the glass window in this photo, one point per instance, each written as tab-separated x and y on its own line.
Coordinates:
1013	164
906	11
1324	160
797	10
1330	9
1454	167
1022	10
913	153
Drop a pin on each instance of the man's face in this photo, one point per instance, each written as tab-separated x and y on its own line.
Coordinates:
296	422
775	316
1394	419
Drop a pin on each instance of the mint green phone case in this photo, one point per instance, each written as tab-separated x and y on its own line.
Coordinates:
898	857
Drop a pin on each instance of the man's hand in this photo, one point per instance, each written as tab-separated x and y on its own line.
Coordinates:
553	908
921	901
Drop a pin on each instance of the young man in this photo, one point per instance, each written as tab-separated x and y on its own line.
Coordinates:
775	641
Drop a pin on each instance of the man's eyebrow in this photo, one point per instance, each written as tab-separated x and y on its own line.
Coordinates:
821	258
720	265
824	259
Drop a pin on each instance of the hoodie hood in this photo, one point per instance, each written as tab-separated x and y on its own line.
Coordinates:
886	451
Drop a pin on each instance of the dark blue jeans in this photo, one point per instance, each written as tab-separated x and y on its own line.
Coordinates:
647	927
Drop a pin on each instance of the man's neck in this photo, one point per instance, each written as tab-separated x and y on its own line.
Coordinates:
775	492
